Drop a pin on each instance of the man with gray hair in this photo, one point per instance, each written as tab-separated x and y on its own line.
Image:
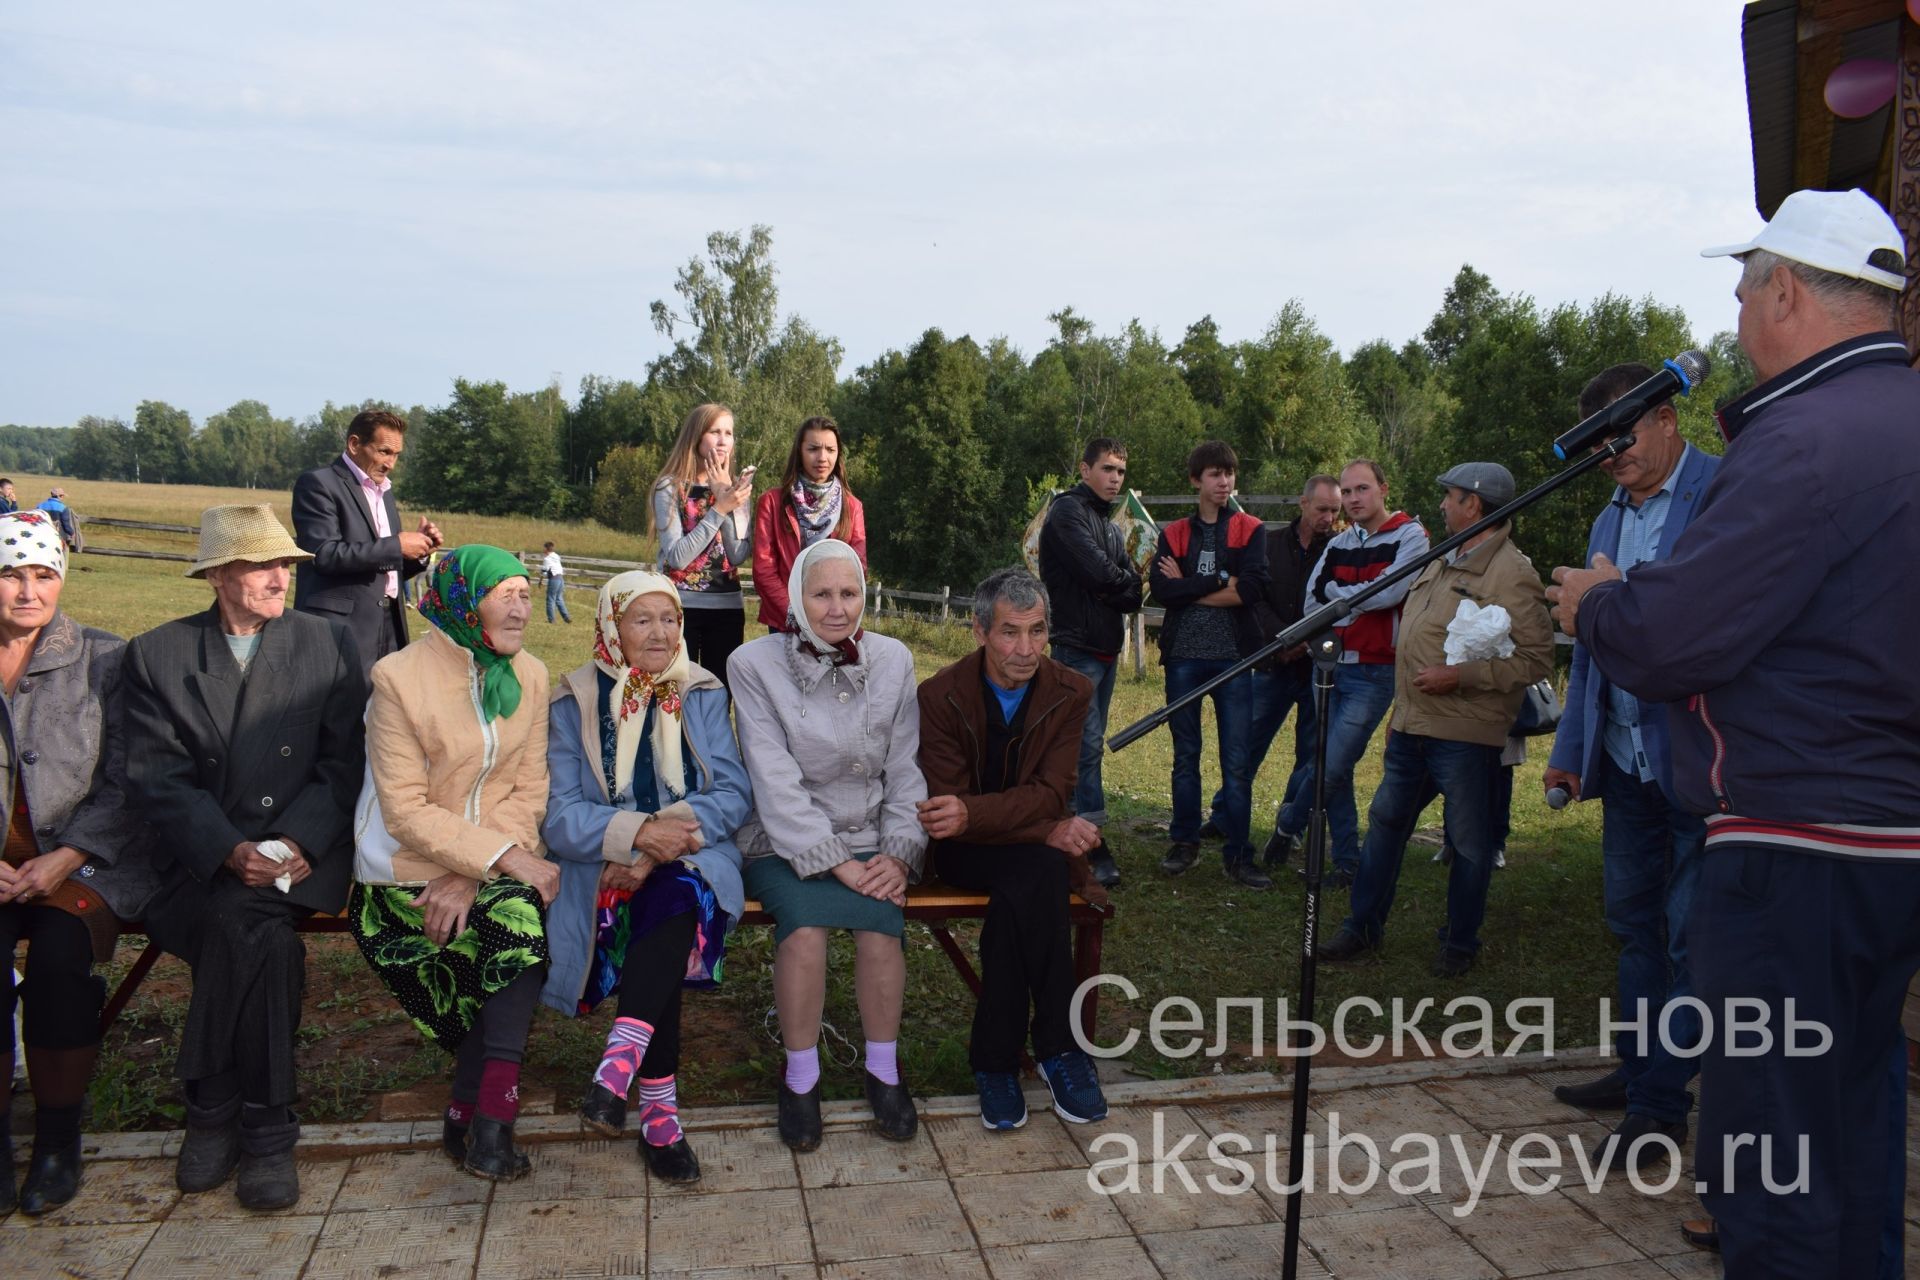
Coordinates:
1000	747
1786	660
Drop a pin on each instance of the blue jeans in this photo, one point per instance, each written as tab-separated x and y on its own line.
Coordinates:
1233	715
1464	773
1275	693
557	598
1651	854
1089	793
1362	692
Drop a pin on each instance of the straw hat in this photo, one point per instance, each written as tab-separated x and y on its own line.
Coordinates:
242	533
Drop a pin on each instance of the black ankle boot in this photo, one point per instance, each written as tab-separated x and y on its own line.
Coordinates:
491	1153
453	1139
7	1197
268	1177
674	1162
893	1115
211	1150
603	1111
800	1117
52	1178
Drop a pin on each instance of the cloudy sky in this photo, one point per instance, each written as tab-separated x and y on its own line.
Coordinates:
207	202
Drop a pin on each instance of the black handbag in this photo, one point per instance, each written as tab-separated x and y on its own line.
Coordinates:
1539	711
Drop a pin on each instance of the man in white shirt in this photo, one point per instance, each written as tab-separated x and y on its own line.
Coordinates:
555	574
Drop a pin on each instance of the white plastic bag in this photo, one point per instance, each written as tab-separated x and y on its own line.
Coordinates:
1477	634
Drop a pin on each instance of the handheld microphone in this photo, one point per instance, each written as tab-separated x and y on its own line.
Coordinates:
1677	376
1557	797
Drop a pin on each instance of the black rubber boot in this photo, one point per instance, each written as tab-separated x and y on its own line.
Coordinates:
603	1111
800	1117
211	1151
674	1162
268	1178
52	1178
7	1197
491	1153
893	1115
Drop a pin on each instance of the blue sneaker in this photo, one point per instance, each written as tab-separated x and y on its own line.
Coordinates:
1002	1105
1075	1087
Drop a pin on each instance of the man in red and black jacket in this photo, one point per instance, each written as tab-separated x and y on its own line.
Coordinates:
1208	571
1375	542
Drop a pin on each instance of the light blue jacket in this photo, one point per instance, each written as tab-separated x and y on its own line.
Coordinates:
583	829
1579	740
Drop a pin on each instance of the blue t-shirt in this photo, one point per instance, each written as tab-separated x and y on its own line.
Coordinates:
1010	699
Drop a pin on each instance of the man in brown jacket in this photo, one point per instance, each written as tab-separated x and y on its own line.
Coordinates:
1450	722
1000	747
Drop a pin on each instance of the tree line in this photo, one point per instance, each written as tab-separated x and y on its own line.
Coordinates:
952	442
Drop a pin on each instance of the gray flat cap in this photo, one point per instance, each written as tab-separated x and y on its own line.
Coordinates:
1493	482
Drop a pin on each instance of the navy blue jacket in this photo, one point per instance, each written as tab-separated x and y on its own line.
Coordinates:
1787	616
1579	744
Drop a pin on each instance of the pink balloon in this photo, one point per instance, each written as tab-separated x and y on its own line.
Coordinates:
1861	87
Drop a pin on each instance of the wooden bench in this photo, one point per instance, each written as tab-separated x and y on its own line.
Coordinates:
935	906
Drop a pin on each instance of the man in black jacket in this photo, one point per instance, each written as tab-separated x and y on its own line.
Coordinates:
1094	586
1285	681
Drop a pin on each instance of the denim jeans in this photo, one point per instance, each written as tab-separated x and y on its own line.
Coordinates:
1362	692
1651	856
557	598
1233	715
1275	693
1089	793
1415	766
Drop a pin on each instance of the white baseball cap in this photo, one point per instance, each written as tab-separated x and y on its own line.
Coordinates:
1833	230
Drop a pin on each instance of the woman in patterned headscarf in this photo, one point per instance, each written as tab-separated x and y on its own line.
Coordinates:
73	866
648	788
451	885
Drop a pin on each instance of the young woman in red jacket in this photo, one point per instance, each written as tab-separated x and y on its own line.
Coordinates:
812	502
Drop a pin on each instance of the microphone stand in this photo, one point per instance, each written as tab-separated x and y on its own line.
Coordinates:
1316	631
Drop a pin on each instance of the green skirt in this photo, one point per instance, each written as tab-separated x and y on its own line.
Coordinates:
442	988
820	903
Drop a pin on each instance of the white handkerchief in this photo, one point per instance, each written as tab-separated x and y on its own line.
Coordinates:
1477	634
279	853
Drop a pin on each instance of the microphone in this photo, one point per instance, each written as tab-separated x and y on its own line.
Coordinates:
1557	797
1677	376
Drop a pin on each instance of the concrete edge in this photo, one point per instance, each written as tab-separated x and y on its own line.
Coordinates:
340	1141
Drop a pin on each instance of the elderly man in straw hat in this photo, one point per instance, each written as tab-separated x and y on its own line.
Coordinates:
245	748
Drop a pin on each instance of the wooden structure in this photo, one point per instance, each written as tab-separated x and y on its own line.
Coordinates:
1791	48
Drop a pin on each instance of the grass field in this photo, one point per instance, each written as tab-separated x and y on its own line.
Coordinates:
1200	936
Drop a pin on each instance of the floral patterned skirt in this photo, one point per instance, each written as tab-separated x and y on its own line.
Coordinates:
621	915
442	987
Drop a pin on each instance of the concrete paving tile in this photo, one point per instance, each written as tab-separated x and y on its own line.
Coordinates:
1230	1253
122	1191
222	1248
1253	1120
371	1133
1139	1124
525	1239
123	1146
733	1160
1384	1114
434	1242
968	1149
1032	1208
940	1266
1364	1183
856	1157
1530	1235
1650	1224
1165	1201
1495	1104
319	1186
1463	1168
578	1171
82	1253
732	1228
407	1180
1696	1264
1116	1258
791	1271
886	1220
1645	1269
1395	1244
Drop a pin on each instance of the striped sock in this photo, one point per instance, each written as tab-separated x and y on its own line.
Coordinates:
803	1069
883	1062
659	1112
620	1061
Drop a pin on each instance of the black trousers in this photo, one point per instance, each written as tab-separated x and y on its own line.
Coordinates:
651	980
63	995
1837	940
1026	951
712	635
249	977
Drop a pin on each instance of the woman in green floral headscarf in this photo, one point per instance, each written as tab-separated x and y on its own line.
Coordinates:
451	880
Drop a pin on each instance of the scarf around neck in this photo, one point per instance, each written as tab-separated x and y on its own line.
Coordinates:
456	586
635	690
816	508
847	652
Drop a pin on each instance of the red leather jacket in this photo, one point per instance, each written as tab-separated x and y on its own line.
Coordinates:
776	544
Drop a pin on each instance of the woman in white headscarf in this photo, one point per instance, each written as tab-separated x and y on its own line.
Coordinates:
647	791
830	729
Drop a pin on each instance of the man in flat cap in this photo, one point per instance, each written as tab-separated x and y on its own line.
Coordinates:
1450	722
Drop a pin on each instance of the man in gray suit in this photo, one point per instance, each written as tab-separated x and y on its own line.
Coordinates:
245	750
344	516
